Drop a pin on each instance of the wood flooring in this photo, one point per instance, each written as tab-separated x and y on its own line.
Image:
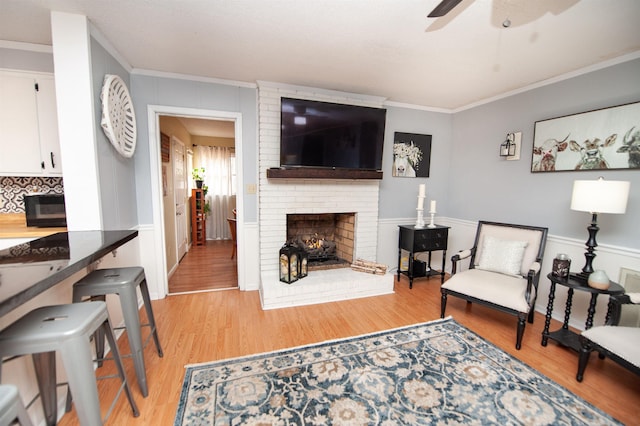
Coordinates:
206	267
197	328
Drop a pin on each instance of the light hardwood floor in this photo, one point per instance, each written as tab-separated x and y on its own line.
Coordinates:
207	267
203	327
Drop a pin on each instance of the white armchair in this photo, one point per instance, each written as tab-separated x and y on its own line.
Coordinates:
504	270
618	339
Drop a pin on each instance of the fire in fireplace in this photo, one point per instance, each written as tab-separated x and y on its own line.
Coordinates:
318	248
328	238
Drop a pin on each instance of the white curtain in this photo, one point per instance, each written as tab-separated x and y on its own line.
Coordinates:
217	163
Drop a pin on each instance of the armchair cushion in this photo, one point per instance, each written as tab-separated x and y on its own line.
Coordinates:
503	256
535	240
621	341
500	289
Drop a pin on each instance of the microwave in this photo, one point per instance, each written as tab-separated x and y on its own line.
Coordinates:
45	210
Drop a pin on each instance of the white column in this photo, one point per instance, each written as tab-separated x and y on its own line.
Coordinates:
76	120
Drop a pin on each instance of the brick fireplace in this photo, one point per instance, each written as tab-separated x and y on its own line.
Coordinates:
282	198
328	238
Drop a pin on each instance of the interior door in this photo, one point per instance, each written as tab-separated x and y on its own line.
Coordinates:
180	194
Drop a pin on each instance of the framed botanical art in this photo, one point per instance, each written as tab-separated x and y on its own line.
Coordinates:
411	155
607	138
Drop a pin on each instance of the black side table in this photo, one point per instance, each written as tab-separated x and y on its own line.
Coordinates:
565	336
415	240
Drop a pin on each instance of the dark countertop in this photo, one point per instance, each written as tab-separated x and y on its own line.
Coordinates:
28	269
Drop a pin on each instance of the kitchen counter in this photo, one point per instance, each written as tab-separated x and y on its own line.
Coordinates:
14	225
29	269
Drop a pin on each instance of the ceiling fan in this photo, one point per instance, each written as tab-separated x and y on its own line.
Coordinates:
443	8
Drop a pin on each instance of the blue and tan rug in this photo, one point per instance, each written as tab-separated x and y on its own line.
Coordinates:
436	373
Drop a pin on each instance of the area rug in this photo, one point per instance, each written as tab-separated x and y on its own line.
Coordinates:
436	373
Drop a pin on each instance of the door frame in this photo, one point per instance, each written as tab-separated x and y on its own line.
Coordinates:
153	115
184	219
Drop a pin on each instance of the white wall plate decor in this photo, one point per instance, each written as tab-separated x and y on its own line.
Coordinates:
118	118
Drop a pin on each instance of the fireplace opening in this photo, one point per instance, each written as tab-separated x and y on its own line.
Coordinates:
328	238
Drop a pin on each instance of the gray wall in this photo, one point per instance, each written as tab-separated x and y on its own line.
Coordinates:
467	177
148	90
398	195
484	186
116	173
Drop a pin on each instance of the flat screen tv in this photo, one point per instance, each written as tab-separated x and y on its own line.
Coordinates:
330	135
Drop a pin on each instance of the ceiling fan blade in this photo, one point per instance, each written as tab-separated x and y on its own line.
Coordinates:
443	8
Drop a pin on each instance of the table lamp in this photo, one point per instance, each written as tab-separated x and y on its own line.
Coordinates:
597	196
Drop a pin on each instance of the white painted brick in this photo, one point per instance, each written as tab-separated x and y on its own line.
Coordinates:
281	197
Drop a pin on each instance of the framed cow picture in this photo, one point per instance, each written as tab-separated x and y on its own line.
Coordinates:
602	139
411	155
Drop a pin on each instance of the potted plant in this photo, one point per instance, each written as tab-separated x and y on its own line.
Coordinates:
198	176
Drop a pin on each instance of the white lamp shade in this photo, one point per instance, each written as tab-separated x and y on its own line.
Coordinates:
600	196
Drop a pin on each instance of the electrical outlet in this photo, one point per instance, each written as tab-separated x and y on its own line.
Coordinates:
251	188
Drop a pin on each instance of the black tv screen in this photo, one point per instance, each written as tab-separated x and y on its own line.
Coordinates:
324	134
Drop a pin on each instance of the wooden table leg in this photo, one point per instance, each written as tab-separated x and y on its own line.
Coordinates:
547	317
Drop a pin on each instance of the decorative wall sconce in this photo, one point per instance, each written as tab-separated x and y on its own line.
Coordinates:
510	148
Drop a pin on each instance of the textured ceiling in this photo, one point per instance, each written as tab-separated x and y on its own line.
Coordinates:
376	47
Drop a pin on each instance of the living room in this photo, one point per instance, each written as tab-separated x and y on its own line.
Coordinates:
467	177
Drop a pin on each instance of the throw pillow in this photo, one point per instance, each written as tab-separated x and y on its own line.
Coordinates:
503	256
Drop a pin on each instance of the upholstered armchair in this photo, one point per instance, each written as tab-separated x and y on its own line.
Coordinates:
504	270
618	339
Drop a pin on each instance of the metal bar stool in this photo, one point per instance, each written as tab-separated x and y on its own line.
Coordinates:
11	407
66	329
123	282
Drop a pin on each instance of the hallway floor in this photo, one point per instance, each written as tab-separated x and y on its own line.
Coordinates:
207	267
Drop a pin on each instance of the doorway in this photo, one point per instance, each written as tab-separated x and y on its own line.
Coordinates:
225	272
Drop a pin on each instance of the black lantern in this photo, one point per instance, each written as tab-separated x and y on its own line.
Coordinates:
289	263
303	263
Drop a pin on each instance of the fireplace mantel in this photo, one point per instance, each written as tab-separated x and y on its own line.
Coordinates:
321	173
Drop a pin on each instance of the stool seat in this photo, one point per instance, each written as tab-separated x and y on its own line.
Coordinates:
123	282
11	407
65	329
47	328
112	279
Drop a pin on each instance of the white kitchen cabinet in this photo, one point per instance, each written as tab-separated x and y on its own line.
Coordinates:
28	125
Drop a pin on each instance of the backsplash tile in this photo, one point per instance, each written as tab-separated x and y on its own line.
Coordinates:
13	189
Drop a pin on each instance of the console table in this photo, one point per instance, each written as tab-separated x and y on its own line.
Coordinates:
416	240
565	336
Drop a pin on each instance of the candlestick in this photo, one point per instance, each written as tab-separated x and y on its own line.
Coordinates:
420	219
421	189
431	224
432	206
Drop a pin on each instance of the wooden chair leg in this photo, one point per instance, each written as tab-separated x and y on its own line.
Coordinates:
520	333
582	362
443	304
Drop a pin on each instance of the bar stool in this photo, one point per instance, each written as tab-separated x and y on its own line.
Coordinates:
11	407
123	282
65	329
